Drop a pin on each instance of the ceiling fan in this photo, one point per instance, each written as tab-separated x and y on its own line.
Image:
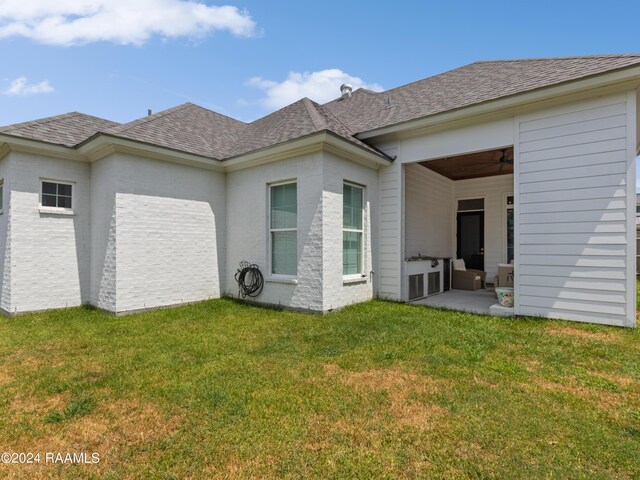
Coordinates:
501	161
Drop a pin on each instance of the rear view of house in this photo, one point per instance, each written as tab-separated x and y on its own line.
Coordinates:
524	162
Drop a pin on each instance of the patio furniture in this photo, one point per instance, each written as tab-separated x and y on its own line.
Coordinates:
464	279
504	277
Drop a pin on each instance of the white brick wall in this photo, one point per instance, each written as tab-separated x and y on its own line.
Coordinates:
49	252
104	181
320	176
247	229
168	231
337	293
5	237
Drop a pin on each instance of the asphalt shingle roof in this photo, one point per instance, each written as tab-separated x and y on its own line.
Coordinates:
199	131
68	129
188	127
297	120
472	84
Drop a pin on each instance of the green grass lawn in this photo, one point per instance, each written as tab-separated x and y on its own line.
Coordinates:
378	390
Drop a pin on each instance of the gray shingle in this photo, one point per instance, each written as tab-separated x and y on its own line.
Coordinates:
187	128
68	129
472	84
297	120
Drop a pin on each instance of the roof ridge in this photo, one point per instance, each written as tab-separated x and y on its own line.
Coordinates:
314	115
123	127
568	57
331	115
211	111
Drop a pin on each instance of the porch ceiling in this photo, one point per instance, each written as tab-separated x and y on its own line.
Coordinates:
473	165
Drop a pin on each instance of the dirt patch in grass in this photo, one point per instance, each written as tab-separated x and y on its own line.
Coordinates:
600	398
574	332
401	389
5	378
117	430
40	406
531	364
620	380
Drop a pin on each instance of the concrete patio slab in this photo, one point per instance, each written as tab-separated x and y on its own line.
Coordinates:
478	301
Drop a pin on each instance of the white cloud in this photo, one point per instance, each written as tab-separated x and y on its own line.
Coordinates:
321	86
20	87
72	22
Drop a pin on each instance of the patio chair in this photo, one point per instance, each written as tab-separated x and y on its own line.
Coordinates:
463	279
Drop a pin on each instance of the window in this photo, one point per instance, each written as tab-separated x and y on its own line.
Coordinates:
284	229
57	195
352	210
1	195
471	204
510	234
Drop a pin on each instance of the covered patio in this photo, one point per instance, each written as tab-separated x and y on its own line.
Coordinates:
458	207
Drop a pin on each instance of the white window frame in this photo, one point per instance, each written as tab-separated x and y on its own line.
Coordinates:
360	275
280	276
505	226
58	210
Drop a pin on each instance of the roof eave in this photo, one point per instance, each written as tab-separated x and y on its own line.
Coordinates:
614	79
40	147
317	141
102	144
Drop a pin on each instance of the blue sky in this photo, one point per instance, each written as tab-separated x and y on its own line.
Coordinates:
244	59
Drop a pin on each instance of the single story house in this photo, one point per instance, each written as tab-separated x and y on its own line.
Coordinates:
525	161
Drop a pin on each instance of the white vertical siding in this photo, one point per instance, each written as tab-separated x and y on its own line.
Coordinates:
429	213
574	184
493	190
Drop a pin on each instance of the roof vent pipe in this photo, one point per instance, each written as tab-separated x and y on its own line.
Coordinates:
345	90
148	112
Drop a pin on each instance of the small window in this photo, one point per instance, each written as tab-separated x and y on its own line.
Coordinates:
283	228
510	200
352	199
471	204
57	195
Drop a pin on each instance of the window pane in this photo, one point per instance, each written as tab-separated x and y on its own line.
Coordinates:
352	207
284	209
64	190
49	201
48	187
509	235
510	200
64	202
472	204
284	253
351	253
